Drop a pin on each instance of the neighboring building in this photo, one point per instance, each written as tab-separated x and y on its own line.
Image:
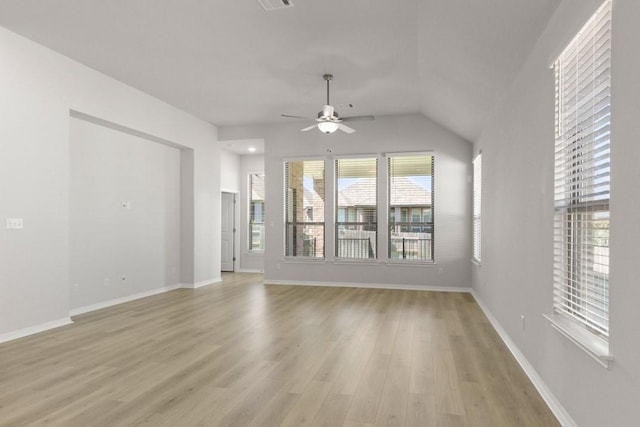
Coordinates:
410	220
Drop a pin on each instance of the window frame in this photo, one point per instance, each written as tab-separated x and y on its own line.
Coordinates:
287	223
477	209
351	212
407	223
250	214
582	187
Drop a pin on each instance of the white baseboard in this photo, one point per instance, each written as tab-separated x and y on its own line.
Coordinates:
201	284
554	404
104	304
368	285
249	270
116	301
10	336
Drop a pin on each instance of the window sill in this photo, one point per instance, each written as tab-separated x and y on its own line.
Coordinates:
409	263
361	261
593	345
303	260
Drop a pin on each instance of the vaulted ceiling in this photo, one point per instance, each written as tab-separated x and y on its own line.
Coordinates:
231	62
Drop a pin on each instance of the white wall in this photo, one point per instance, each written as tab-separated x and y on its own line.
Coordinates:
385	134
517	236
140	242
249	261
39	89
229	171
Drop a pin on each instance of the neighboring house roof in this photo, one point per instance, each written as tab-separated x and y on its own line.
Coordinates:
406	193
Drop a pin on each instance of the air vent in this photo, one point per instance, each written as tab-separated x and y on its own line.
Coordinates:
270	5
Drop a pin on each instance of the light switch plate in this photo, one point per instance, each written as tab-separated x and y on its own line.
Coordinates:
14	223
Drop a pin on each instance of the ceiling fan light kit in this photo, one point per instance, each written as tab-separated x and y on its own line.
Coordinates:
328	127
328	120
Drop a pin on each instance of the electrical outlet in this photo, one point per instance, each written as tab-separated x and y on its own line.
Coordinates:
106	282
523	318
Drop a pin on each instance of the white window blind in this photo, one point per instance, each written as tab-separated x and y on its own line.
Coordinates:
304	208
256	212
477	207
356	208
582	170
411	207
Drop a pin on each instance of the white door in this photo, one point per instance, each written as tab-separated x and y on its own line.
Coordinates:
228	231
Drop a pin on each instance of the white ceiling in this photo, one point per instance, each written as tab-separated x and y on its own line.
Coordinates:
244	147
230	62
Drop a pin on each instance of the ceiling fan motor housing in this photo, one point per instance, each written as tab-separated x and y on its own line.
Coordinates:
327	113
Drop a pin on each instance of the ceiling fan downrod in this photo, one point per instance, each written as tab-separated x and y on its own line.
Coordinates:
328	78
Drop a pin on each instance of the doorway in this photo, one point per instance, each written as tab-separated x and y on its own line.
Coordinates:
227	216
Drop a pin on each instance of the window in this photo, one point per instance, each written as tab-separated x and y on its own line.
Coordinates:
477	206
304	208
582	169
356	208
410	207
256	212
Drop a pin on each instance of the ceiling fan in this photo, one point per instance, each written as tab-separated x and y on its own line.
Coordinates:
328	120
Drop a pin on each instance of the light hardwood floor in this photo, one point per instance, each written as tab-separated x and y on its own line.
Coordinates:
245	354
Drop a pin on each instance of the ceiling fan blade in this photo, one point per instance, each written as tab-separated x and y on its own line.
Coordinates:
345	128
296	117
357	118
308	128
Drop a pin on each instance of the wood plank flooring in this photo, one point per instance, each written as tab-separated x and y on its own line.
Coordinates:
241	353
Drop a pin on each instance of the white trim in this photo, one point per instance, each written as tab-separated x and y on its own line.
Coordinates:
554	404
588	342
302	260
476	156
225	190
390	286
376	156
201	284
409	153
247	225
129	298
304	158
249	270
409	263
356	261
20	333
122	300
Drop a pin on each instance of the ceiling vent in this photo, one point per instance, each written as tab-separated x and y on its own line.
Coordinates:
270	5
